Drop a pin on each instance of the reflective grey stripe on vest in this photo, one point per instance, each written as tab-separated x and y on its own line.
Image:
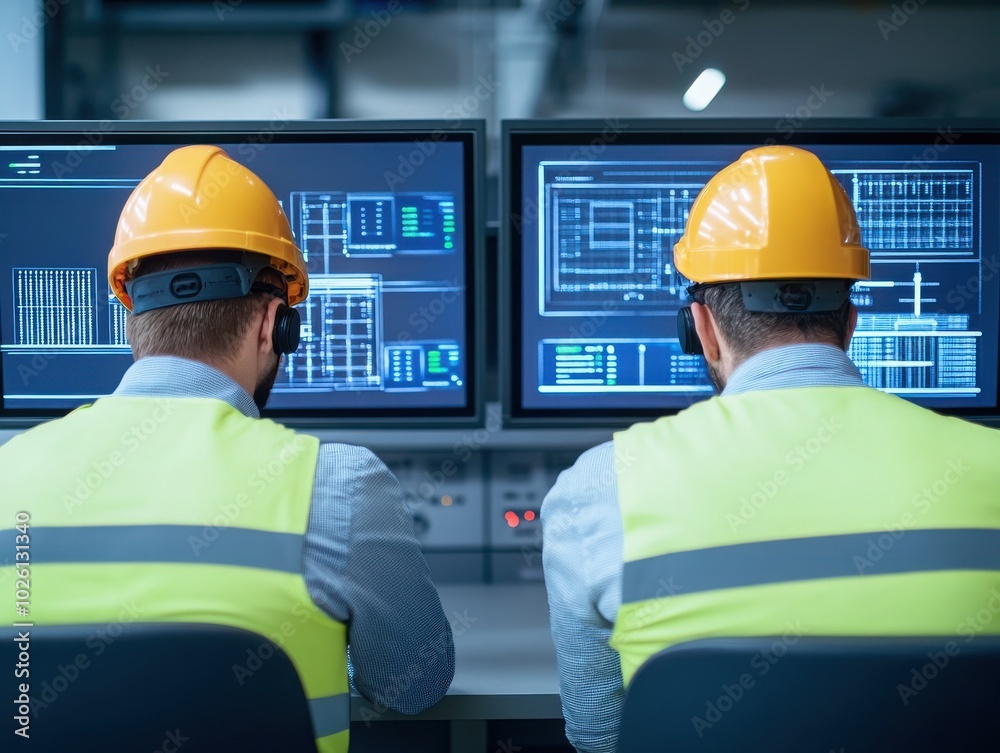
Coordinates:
243	547
842	556
330	714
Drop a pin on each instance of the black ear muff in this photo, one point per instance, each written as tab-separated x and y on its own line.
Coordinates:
687	334
287	323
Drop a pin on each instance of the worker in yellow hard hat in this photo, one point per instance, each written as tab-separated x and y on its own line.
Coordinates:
753	513
177	242
201	512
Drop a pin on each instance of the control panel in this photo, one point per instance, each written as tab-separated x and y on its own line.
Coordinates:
446	497
518	483
478	515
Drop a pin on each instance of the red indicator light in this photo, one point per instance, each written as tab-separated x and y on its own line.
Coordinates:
511	517
529	514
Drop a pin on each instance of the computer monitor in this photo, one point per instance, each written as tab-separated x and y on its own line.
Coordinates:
387	215
593	209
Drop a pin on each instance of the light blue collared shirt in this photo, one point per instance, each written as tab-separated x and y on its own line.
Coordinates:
583	550
362	562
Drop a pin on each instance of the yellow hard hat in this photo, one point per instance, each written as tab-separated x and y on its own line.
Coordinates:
776	214
200	199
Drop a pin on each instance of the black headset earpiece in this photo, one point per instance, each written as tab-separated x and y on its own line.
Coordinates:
287	323
687	334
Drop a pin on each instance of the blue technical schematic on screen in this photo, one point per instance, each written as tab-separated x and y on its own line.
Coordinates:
337	224
922	227
599	293
384	327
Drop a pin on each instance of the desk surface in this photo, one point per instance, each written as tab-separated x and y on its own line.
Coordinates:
505	665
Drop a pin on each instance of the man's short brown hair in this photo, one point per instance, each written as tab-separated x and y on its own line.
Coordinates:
748	332
204	330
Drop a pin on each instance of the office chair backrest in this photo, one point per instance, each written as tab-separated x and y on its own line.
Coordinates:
816	695
158	687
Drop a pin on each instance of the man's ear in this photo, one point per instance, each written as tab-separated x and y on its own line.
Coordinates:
852	323
708	331
265	335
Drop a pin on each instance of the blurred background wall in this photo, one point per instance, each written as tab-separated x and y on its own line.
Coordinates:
21	72
213	59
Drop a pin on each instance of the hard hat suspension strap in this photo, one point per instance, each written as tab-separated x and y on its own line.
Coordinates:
795	296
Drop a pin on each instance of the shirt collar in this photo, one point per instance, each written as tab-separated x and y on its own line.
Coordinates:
788	366
170	376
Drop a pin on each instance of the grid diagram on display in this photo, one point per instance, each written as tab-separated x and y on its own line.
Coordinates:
332	226
341	337
616	239
913	209
916	354
321	223
54	306
117	319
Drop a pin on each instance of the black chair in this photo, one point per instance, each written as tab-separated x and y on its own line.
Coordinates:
816	695
157	687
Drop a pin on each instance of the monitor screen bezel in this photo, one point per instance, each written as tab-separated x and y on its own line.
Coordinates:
470	133
594	135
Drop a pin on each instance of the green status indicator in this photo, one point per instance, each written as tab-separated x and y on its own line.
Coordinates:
569	349
434	363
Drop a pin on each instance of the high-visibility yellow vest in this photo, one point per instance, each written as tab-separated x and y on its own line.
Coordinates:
177	510
824	511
